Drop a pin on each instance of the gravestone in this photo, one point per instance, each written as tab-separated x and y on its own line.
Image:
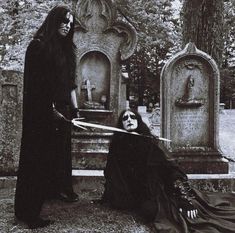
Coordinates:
189	111
11	89
155	116
103	42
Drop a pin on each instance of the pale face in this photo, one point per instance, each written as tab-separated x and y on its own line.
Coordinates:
129	121
65	26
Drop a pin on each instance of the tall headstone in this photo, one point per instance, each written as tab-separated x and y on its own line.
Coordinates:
103	42
190	111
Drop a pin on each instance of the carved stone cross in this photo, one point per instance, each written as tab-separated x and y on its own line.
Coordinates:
87	86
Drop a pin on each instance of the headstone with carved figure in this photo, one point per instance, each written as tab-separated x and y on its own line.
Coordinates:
189	111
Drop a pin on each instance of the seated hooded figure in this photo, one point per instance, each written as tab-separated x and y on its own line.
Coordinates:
140	177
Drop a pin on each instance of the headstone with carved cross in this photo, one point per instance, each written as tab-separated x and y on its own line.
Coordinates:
104	39
87	86
89	104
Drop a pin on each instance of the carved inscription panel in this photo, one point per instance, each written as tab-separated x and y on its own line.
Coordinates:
191	128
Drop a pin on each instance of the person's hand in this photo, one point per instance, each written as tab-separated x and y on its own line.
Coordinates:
76	124
75	113
184	198
190	213
187	209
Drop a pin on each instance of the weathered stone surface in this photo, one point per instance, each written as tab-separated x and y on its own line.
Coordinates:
90	149
102	43
189	111
11	89
213	182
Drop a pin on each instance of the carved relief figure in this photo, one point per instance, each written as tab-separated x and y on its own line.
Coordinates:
188	98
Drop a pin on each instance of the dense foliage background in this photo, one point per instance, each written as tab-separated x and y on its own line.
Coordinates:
163	26
159	36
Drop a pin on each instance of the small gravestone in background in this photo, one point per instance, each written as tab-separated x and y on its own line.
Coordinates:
155	116
189	111
11	91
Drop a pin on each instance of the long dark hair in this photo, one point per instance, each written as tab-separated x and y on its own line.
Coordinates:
49	28
59	49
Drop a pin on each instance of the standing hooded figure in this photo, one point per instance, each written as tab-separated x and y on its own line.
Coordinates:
139	177
49	102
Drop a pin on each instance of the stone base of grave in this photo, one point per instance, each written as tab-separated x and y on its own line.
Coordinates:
90	149
202	163
213	182
100	116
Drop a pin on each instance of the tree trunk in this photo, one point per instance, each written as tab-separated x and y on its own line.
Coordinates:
203	25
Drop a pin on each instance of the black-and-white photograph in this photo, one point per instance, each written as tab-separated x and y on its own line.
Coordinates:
117	116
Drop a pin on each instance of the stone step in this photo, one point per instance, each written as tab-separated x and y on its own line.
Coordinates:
90	149
91	141
89	159
91	134
84	144
94	180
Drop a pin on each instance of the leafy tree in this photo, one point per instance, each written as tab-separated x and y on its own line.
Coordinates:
203	25
19	20
211	26
227	86
158	37
229	34
227	93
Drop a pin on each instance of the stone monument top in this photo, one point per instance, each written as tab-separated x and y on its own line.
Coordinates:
103	41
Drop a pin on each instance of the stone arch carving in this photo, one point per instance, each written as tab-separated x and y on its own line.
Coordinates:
104	13
84	11
98	28
95	67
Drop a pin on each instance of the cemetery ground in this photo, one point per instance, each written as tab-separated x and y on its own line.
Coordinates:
86	216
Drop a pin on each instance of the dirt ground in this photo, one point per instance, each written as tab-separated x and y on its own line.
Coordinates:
84	216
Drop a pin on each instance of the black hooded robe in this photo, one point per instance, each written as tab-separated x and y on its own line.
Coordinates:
39	162
139	177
